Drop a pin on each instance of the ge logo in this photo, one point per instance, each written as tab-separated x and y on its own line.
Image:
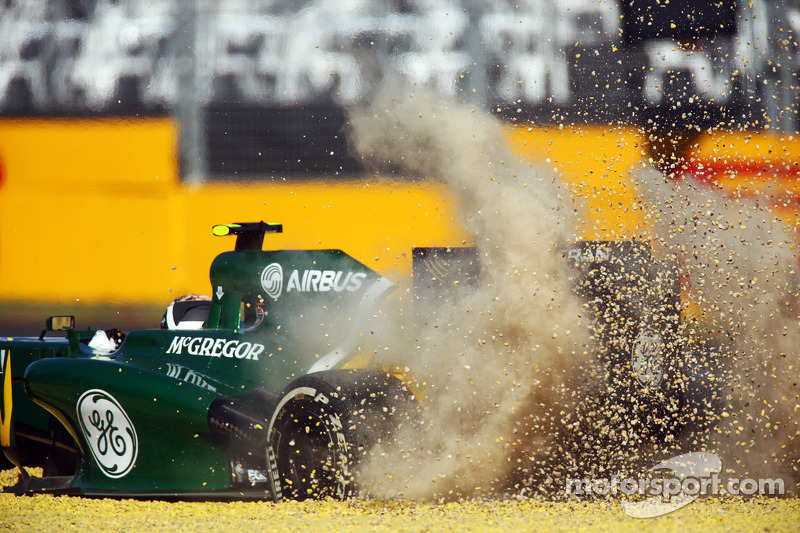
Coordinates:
272	280
647	359
108	431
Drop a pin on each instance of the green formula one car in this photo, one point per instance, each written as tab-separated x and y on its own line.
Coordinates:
261	390
246	403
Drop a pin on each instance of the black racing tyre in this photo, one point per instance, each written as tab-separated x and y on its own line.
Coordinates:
324	424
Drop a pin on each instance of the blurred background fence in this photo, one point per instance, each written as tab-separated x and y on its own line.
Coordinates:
259	87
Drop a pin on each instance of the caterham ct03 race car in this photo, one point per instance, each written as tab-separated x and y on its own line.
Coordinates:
245	395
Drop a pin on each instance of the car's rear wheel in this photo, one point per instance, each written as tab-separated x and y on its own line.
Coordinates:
324	424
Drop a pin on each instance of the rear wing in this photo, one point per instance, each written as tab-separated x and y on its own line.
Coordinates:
249	235
253	288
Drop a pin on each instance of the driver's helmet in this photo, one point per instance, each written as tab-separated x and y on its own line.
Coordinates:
187	312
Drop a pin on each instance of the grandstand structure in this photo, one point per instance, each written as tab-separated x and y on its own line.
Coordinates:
90	54
237	72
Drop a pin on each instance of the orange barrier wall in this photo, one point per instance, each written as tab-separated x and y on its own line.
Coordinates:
85	207
93	210
594	162
758	165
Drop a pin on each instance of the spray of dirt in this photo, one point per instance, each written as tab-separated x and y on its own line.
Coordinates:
503	371
741	266
496	369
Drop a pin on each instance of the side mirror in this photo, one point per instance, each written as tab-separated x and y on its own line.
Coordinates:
58	323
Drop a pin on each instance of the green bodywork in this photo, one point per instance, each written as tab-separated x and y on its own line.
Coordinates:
139	419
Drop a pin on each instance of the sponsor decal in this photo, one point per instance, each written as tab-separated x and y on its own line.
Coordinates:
581	256
647	358
257	476
273	474
325	280
109	432
272	280
189	376
252	475
216	347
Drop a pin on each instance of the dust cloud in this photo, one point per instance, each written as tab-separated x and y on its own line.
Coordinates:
514	399
741	268
496	369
